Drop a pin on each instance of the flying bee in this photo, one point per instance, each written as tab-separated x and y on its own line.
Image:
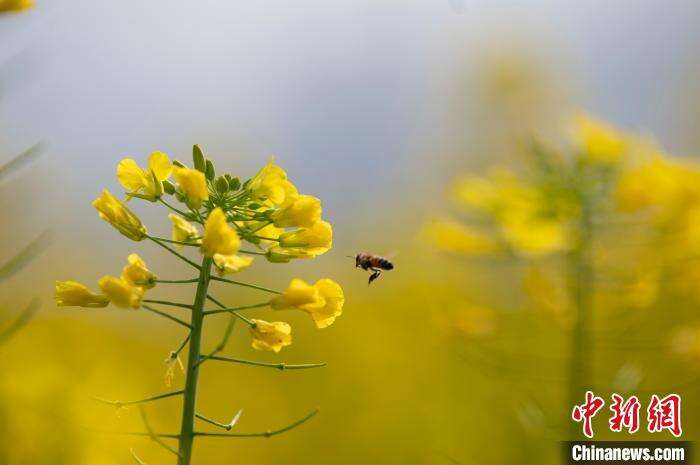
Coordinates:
373	263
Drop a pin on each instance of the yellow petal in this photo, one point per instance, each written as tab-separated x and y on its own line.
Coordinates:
227	264
193	183
74	294
131	176
271	336
137	274
121	293
219	237
297	294
160	164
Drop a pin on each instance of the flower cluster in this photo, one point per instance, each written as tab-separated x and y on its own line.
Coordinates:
537	214
217	215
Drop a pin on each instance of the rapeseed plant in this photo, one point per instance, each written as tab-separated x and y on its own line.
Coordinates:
557	207
265	211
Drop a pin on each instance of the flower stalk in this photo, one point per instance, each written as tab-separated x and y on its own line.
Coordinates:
192	372
580	287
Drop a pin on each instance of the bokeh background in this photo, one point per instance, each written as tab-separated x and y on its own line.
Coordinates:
375	107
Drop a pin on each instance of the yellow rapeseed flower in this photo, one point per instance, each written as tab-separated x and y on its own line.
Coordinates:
118	215
137	274
15	5
323	301
537	236
145	183
333	301
455	237
227	264
183	230
194	185
121	293
303	213
271	184
598	141
309	242
271	232
219	237
297	294
662	182
270	336
74	294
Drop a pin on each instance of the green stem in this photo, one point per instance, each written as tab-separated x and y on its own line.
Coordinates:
278	366
240	317
176	281
167	302
580	286
226	426
264	434
238	283
166	315
235	309
171	241
250	252
177	254
190	397
179	212
122	403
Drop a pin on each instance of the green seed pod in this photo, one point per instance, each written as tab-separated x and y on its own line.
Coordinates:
221	185
168	187
254	206
209	170
178	164
198	159
180	196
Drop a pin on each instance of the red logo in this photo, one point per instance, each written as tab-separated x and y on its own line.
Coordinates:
662	414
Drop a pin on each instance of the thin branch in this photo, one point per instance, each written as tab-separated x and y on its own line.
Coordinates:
238	283
153	435
21	321
136	457
167	302
176	281
227	426
171	241
241	317
182	345
176	210
224	340
278	366
137	433
123	403
250	252
235	309
177	254
264	434
166	315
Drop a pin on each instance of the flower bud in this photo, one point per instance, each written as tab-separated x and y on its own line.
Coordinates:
221	185
209	171
198	158
113	211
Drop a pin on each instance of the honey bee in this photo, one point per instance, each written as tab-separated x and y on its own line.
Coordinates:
373	263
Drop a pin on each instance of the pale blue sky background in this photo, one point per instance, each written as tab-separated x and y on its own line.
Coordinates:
351	96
